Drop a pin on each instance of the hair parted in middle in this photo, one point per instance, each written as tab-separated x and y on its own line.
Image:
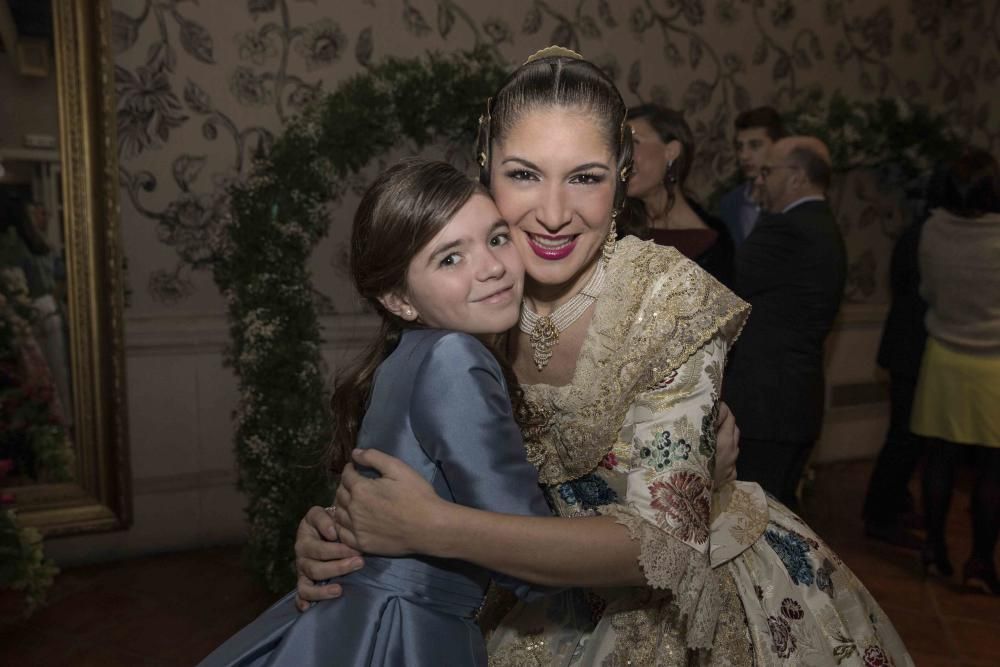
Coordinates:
560	82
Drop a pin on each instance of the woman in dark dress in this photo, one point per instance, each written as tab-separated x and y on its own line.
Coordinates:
659	206
432	395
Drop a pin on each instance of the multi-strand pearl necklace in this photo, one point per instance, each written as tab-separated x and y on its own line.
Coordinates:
544	330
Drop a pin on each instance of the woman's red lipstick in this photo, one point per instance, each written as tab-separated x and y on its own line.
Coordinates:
555	247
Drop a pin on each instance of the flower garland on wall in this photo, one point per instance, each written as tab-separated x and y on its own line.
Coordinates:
33	441
276	218
889	134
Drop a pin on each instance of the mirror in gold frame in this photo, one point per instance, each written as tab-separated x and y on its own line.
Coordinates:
62	258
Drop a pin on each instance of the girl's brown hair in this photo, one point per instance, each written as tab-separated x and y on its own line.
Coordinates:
402	211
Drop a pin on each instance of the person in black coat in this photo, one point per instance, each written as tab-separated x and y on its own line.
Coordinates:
888	502
792	270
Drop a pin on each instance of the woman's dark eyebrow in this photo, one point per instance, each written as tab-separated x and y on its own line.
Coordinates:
582	167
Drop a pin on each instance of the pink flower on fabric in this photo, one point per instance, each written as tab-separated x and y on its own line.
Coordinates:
781	634
791	609
610	461
876	657
683	500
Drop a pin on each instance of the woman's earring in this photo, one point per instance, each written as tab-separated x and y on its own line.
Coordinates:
671	174
612	240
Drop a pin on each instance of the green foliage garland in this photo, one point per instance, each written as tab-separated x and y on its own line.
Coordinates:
903	140
276	219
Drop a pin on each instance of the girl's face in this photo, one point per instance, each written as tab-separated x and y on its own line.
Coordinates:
651	157
553	179
468	278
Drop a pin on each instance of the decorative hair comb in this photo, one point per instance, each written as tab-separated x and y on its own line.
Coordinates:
554	52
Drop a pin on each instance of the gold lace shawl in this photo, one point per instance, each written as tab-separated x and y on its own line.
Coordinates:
656	310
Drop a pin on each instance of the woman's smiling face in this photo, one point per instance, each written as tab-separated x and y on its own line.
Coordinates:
553	179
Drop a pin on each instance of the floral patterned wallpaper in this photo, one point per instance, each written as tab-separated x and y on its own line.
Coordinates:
204	85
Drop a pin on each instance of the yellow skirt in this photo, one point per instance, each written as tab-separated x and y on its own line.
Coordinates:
958	396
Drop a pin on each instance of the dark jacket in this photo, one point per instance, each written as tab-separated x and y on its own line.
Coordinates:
904	334
717	259
792	270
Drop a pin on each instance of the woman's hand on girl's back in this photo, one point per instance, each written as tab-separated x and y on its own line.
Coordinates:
391	515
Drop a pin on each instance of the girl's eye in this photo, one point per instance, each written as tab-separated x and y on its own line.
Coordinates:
500	239
451	260
587	179
521	175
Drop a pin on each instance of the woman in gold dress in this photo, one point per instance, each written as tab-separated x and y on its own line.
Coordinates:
620	352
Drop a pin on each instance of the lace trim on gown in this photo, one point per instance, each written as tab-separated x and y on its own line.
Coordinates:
656	310
673	566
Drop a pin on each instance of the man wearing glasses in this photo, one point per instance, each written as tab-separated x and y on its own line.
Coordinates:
791	269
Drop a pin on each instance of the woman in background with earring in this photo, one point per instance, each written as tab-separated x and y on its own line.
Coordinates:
659	206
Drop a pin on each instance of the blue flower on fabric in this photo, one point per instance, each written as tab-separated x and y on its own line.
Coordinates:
567	493
589	491
794	554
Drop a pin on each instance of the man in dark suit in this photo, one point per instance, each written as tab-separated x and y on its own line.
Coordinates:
791	269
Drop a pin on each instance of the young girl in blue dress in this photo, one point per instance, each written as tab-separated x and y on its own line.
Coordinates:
431	253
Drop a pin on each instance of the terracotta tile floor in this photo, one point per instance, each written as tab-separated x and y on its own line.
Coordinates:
173	609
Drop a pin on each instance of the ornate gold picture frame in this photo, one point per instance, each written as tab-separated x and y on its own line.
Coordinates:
99	496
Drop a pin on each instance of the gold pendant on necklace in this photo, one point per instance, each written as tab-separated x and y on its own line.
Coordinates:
544	336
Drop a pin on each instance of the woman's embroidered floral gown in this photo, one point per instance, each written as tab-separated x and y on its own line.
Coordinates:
734	577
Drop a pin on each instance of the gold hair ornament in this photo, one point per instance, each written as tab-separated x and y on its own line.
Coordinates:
484	119
553	52
611	241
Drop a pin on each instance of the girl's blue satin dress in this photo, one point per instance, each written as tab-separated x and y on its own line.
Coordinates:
440	404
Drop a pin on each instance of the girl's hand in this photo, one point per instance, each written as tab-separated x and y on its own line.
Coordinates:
392	515
319	557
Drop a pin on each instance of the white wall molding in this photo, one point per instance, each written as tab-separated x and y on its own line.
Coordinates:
200	333
203	479
193	333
